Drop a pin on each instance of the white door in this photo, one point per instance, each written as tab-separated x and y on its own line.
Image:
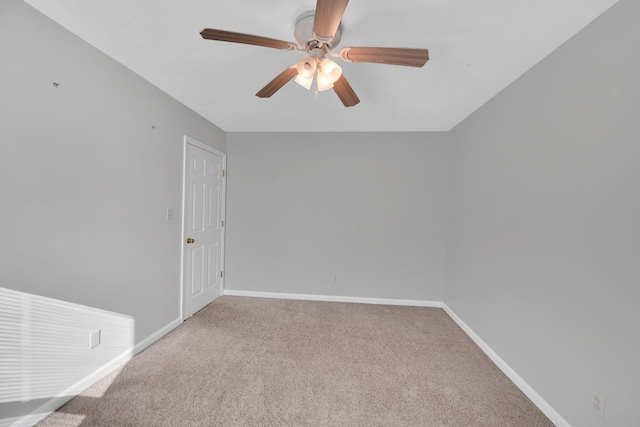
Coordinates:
203	216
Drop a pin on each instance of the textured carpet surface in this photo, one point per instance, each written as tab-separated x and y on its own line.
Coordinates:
264	362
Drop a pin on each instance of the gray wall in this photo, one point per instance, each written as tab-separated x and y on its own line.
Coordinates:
369	207
85	180
544	222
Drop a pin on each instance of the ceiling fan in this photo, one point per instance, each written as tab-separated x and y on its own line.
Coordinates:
317	33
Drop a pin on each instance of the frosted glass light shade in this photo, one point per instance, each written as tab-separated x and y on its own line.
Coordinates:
307	67
331	70
323	82
304	81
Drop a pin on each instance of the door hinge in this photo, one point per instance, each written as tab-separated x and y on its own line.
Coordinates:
222	172
223	223
221	274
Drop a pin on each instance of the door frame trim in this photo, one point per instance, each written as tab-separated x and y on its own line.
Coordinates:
194	142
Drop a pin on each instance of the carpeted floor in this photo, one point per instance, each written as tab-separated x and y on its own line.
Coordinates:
264	362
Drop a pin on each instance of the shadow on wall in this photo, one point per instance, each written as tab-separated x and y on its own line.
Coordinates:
45	352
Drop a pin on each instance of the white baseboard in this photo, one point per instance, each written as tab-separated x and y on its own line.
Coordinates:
68	394
334	298
537	400
156	336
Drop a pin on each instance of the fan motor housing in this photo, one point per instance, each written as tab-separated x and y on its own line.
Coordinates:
304	30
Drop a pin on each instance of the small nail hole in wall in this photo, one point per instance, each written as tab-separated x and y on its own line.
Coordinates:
55	84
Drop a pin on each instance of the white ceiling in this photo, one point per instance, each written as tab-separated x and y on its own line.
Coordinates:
477	48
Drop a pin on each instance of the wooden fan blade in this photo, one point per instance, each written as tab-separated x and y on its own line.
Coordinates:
230	36
327	17
386	55
274	85
345	92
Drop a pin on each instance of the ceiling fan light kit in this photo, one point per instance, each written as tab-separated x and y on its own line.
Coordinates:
330	69
323	83
317	33
305	82
307	67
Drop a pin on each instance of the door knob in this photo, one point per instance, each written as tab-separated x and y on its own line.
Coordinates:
190	240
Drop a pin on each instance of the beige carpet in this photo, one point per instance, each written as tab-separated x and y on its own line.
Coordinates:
263	362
